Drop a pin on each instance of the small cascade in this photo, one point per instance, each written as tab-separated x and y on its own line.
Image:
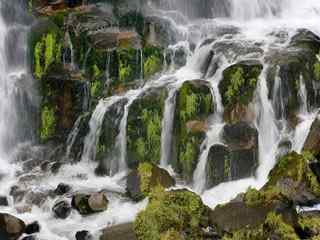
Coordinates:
277	96
72	137
167	128
306	119
96	121
68	54
84	65
141	67
107	73
213	135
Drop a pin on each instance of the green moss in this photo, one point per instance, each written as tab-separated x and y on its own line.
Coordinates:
194	102
48	123
171	235
145	141
316	69
151	66
145	173
274	223
310	223
239	83
174	211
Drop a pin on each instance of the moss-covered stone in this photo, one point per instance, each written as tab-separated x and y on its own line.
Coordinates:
310	224
295	166
144	142
170	213
193	102
142	180
239	83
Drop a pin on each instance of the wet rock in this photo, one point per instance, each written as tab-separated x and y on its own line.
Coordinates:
312	142
119	232
83	235
147	176
62	209
11	227
239	113
36	198
62	188
90	203
3	201
17	193
194	104
315	167
29	238
242	140
32	228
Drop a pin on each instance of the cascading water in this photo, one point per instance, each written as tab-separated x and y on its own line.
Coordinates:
230	22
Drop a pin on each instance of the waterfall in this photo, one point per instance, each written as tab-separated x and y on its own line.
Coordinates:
167	127
72	137
107	73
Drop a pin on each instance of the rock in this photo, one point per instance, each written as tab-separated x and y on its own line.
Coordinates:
29	238
98	202
237	89
87	204
194	104
172	211
218	165
62	209
32	228
36	198
315	167
83	235
312	142
3	201
144	144
147	176
62	188
17	193
11	227
242	141
120	232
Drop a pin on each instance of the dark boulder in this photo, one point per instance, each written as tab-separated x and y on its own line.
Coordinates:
32	228
3	201
62	209
83	235
62	188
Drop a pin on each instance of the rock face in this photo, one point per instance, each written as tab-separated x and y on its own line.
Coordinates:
119	232
312	142
90	203
194	104
11	228
141	181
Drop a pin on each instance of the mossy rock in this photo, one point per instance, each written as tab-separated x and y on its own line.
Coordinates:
142	180
87	204
312	143
309	224
144	142
171	213
292	174
239	83
194	102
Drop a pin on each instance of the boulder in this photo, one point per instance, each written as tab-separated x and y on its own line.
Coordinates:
62	189
87	204
32	228
62	209
83	235
194	104
242	141
11	227
4	201
147	176
120	232
312	142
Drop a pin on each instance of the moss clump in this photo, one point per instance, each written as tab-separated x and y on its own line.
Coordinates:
274	224
316	70
194	102
145	173
239	83
296	167
48	123
168	214
153	61
266	196
144	142
171	235
310	224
